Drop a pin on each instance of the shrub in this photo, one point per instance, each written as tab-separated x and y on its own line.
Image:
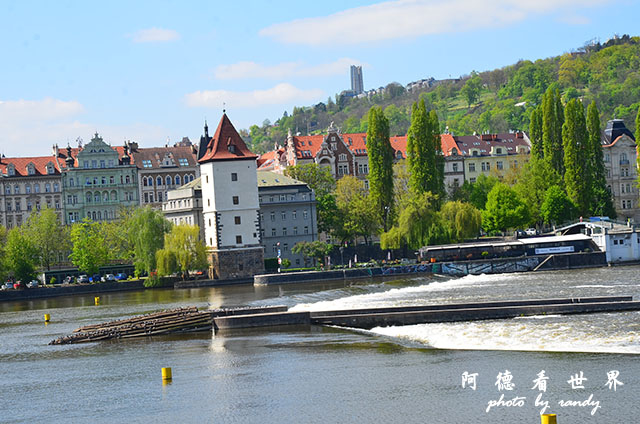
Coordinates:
52	281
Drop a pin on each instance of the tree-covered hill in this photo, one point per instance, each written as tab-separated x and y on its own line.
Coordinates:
492	101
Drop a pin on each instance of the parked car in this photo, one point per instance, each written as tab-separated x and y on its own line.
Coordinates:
95	278
109	277
68	279
83	278
531	232
33	284
121	276
7	286
519	234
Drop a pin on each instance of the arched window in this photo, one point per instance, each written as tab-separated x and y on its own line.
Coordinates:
99	215
177	180
127	179
96	197
159	181
114	195
95	217
186	178
105	196
144	181
168	180
89	197
56	186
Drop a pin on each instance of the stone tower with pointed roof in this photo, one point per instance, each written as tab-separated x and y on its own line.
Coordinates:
230	204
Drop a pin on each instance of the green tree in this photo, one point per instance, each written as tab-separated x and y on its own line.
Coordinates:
316	250
89	248
424	152
463	219
21	255
318	178
557	207
480	190
183	245
51	239
504	210
575	141
534	179
552	120
471	89
535	133
380	154
356	213
418	225
147	228
166	261
600	203
4	271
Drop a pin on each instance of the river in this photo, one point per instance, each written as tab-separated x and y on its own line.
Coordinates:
410	374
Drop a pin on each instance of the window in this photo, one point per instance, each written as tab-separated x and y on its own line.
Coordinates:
472	167
103	180
455	167
47	188
94	163
284	231
284	215
159	196
305	214
295	231
16	189
472	180
306	230
32	170
285	247
146	198
178	180
607	157
29	206
273	232
334	146
234	176
273	216
159	181
237	220
283	197
27	188
8	206
36	188
168	180
85	164
294	215
238	239
96	197
110	163
103	164
342	157
499	164
72	182
236	200
183	162
343	169
147	164
275	248
11	170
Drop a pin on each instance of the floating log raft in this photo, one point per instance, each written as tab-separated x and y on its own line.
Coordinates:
165	322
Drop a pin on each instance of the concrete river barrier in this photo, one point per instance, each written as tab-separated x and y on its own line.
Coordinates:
191	319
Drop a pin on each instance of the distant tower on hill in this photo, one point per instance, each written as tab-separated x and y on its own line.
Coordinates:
356	79
230	204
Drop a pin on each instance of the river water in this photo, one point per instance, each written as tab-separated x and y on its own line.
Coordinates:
410	374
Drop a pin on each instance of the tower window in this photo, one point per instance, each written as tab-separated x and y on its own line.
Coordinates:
236	200
234	176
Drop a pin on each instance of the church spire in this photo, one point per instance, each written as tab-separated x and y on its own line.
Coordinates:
206	129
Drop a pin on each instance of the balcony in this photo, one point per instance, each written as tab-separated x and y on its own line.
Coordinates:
624	161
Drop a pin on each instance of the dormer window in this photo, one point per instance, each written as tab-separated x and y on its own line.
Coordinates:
31	170
232	148
50	169
11	170
499	151
310	143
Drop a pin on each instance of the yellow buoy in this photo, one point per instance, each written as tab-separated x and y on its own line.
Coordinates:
47	317
97	300
166	374
548	419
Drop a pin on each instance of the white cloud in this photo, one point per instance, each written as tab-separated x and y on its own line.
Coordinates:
153	35
280	94
242	70
32	127
413	18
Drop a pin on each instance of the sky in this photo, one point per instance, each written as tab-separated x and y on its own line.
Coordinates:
153	71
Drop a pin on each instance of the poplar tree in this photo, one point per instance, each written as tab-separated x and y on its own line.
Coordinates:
424	152
535	131
380	155
552	120
575	141
601	203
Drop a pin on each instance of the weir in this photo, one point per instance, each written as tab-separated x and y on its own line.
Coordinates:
191	319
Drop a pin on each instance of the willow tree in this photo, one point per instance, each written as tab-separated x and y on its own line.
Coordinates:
575	142
424	152
380	155
601	203
147	228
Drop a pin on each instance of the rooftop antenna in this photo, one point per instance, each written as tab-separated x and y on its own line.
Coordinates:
224	107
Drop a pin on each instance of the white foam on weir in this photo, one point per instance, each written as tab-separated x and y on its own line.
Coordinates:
569	335
401	296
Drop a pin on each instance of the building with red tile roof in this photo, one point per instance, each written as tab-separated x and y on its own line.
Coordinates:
28	184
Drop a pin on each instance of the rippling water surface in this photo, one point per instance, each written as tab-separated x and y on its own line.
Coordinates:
314	374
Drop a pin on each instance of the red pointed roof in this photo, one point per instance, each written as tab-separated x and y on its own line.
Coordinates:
226	144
